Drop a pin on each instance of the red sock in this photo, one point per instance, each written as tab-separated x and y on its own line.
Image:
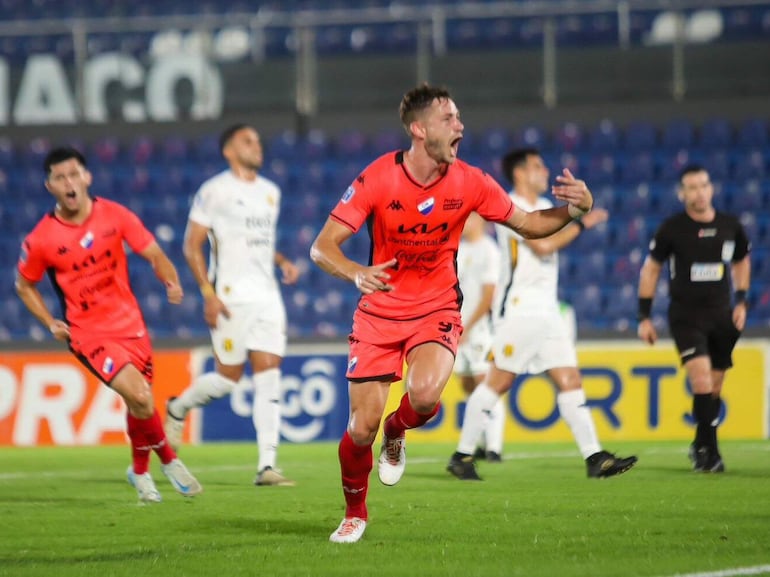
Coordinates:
355	464
405	417
140	448
155	437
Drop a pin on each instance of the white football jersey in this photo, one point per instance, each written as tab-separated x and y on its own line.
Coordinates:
528	283
478	264
242	217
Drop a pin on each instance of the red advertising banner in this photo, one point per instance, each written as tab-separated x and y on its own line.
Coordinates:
49	398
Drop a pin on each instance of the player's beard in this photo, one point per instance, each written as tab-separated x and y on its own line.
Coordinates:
438	151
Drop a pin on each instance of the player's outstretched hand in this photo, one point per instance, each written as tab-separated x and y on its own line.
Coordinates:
289	272
374	278
212	308
60	330
174	293
574	192
647	332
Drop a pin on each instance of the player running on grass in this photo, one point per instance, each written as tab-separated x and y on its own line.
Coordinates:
80	245
530	335
415	203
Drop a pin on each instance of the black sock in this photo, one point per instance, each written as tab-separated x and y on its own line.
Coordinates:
716	406
705	434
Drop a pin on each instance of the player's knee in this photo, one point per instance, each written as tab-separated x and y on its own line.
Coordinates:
140	402
423	402
363	429
362	435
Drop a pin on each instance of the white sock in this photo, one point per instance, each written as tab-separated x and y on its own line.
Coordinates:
495	430
476	417
204	389
573	409
267	415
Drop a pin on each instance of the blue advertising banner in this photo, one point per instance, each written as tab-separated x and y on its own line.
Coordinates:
314	400
635	392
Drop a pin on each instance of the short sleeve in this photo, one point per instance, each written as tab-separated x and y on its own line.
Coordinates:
742	243
355	206
202	209
661	245
32	264
494	204
134	232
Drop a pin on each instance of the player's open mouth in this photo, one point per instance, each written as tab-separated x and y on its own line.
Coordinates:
72	194
455	144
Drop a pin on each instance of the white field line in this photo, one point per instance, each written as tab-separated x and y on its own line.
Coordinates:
734	572
509	456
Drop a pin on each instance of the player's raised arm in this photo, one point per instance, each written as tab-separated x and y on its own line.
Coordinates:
542	223
327	253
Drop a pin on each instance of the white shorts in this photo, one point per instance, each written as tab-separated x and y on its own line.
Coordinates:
472	355
251	327
533	343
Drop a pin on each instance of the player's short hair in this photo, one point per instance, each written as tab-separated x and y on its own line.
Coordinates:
229	132
691	168
417	100
61	154
516	158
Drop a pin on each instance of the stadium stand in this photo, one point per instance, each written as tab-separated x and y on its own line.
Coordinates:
632	168
157	176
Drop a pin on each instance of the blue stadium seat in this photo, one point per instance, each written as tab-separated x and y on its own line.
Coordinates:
635	232
625	266
588	301
716	133
605	137
605	196
623	302
639	167
495	142
388	140
717	162
637	199
532	137
591	267
747	196
569	137
640	136
749	165
753	133
678	134
353	145
667	200
672	164
206	148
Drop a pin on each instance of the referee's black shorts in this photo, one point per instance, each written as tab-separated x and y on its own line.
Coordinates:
703	331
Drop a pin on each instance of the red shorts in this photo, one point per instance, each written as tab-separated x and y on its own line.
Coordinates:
378	346
105	357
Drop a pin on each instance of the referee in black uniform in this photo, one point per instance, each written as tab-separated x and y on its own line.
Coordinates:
703	247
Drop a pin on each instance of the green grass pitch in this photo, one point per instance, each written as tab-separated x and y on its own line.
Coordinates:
69	512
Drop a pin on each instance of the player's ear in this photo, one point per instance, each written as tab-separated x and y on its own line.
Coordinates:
416	129
88	177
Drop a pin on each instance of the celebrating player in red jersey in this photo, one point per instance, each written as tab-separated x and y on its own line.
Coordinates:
80	245
415	204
